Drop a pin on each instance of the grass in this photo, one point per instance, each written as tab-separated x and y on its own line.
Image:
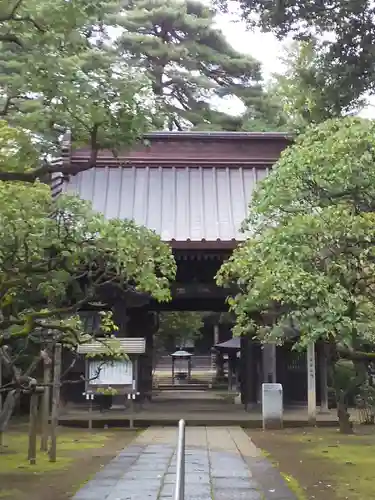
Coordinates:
80	454
321	463
9	493
354	460
14	459
294	486
291	481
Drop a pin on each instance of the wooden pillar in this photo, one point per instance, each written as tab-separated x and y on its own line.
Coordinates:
323	378
242	370
248	371
219	366
189	369
269	363
144	324
216	334
148	364
231	363
311	384
120	318
216	357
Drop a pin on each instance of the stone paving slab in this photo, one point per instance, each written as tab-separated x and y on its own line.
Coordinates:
221	463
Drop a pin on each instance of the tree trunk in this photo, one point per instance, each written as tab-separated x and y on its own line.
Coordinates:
343	396
8	408
345	425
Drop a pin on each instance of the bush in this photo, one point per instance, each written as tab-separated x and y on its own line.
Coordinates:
339	380
365	403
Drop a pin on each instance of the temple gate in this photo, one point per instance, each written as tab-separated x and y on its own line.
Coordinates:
193	189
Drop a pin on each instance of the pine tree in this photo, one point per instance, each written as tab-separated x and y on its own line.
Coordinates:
57	72
188	61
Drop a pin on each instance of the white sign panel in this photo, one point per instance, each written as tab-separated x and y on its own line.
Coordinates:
311	384
272	406
111	372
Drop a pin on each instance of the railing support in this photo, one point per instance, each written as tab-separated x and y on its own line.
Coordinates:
179	492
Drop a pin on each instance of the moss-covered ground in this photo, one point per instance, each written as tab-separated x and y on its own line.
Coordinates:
80	454
322	464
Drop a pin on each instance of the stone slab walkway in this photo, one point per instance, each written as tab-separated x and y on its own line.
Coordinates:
221	463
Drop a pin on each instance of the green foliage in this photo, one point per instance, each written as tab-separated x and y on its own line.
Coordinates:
268	116
342	374
302	89
329	166
70	443
107	391
188	62
308	265
365	402
177	327
108	70
47	262
59	255
294	486
344	47
110	349
16	150
57	72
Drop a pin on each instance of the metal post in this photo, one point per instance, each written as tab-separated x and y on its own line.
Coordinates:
179	492
131	398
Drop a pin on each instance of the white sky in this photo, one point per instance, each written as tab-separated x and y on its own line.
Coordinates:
262	46
267	50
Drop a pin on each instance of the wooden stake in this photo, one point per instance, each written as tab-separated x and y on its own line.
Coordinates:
323	379
311	384
55	402
33	428
45	410
90	413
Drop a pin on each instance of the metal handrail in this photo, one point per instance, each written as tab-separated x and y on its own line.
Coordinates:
179	492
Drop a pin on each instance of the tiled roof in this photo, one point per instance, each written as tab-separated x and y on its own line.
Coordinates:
186	203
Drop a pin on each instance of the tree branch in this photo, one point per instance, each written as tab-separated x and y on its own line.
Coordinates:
10	38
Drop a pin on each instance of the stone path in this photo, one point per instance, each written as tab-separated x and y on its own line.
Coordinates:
220	464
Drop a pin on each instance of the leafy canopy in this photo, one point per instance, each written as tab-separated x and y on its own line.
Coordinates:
189	62
58	256
344	34
58	72
303	91
177	327
308	264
